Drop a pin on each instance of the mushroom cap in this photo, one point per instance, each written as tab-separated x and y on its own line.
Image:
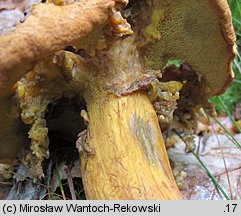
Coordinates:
198	31
43	34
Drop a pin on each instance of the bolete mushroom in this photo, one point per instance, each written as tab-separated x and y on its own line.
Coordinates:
123	155
39	36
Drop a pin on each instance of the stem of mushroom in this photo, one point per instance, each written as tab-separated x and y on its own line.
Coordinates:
130	160
126	156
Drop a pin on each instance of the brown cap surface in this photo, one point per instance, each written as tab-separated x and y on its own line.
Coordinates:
48	29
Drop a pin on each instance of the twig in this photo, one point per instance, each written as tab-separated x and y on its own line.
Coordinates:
70	182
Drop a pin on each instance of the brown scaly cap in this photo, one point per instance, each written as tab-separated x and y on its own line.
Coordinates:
200	32
48	29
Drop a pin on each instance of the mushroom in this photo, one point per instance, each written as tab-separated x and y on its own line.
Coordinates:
202	34
42	34
39	36
123	155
